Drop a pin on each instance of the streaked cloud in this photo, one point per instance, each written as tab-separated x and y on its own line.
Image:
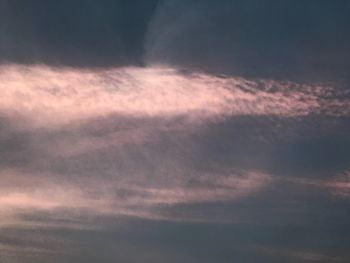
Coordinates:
69	114
174	131
84	149
50	96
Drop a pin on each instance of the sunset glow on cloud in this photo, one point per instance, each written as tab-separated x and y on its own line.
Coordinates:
60	103
42	93
174	131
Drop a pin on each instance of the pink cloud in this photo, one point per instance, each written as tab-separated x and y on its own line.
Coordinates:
52	96
52	100
142	200
338	186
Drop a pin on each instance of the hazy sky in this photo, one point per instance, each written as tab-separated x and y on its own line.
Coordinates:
174	131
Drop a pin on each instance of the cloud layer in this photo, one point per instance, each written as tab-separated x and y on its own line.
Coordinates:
174	131
84	149
61	118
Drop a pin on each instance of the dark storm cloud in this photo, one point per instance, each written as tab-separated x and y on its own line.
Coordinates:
271	39
78	33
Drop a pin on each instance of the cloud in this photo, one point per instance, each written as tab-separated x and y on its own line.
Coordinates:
111	160
94	152
118	123
120	196
42	93
299	255
339	185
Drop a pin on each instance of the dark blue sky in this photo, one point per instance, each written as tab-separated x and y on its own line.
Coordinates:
285	39
80	33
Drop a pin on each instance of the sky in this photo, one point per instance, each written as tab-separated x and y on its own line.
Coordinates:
174	131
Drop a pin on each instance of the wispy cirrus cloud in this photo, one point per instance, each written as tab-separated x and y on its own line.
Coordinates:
83	149
91	139
43	93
